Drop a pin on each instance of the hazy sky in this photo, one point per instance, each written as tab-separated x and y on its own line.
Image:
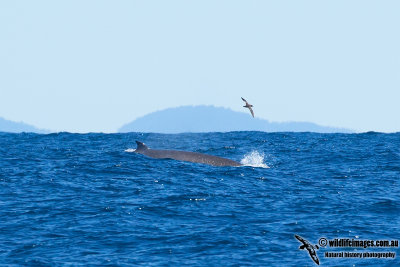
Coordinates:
84	66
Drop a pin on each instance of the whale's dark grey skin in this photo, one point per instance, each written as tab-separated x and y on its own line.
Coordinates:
184	156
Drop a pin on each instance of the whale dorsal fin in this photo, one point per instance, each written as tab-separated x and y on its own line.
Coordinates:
141	146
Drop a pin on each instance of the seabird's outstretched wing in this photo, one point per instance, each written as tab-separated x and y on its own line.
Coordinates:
313	254
244	100
251	110
302	240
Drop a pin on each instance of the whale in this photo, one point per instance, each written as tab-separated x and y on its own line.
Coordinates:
184	156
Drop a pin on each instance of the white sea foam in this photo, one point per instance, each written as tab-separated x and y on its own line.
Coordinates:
254	159
130	150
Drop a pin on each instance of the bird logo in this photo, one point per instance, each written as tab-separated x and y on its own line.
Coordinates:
311	249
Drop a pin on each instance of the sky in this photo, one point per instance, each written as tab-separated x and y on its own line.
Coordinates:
92	66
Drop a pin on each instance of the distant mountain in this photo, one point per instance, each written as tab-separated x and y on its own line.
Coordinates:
18	127
215	119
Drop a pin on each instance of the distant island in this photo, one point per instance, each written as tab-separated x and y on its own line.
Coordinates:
18	127
198	119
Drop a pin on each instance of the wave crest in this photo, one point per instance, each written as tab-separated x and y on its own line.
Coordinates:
254	159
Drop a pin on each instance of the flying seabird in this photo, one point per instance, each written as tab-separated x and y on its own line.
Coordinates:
248	106
311	249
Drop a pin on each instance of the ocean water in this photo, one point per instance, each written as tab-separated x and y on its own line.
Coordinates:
87	199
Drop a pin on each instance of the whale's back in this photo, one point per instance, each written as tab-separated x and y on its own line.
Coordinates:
185	156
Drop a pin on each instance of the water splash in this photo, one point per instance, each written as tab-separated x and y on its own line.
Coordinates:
130	150
254	159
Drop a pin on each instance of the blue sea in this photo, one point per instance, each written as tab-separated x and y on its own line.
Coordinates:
88	199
